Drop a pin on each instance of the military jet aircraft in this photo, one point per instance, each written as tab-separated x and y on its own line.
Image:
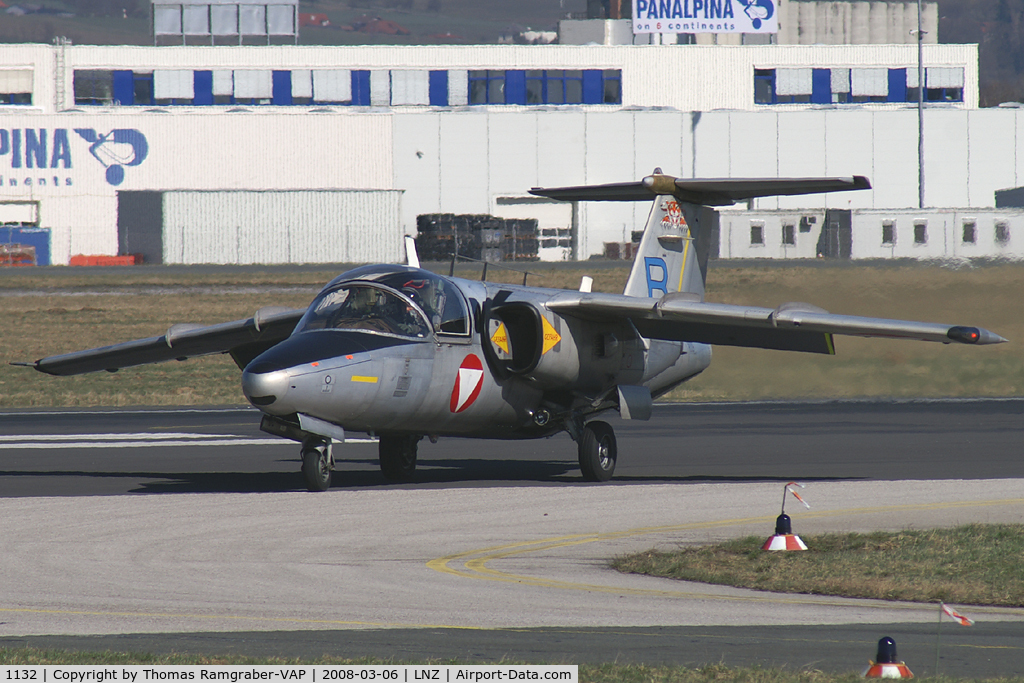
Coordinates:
402	353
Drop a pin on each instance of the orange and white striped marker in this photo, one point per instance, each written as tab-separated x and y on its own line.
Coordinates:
887	665
784	538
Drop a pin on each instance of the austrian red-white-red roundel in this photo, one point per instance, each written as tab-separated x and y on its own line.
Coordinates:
467	384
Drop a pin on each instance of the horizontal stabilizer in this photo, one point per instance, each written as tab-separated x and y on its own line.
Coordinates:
790	327
706	191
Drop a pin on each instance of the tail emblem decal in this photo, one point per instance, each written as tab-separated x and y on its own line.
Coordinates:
673	218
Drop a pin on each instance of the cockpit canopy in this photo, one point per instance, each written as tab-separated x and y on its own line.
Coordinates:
389	299
364	307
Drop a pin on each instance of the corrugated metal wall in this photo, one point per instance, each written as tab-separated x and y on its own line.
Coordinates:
353	226
461	162
186	150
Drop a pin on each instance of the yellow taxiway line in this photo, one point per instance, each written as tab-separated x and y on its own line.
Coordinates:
474	562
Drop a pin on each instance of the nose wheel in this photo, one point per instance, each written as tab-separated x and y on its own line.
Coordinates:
317	464
597	451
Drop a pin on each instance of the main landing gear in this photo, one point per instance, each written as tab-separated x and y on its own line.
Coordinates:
398	455
595	441
597	451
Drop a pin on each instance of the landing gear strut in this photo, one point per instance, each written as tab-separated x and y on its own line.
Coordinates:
398	455
597	450
317	463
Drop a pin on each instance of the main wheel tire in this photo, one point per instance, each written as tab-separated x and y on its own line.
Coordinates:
398	456
316	468
597	451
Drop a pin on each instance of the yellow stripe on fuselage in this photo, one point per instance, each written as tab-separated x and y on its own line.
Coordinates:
364	379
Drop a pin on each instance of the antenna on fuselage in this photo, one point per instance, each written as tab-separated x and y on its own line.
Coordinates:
483	275
411	257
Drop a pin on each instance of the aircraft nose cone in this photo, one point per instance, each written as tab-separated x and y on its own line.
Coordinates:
265	389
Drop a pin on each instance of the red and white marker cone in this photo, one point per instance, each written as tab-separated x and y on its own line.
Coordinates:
784	538
887	664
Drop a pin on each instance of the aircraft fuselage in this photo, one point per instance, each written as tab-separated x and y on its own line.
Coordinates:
511	369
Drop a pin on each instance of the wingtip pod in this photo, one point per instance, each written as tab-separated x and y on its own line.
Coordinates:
861	183
973	335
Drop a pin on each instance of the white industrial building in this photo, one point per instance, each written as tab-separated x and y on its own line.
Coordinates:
171	148
804	22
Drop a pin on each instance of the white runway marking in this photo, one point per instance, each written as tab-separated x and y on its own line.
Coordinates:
129	436
135	440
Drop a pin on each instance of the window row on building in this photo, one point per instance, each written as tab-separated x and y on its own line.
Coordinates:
397	87
969	231
789	230
968	235
856	85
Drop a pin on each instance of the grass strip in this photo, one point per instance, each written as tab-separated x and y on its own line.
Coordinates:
52	311
974	564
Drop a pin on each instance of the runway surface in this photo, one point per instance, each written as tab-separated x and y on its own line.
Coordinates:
499	550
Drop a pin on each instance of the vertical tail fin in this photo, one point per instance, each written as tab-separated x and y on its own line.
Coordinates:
673	252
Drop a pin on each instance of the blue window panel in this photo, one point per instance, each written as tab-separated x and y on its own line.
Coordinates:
202	85
897	85
764	86
281	92
593	87
438	88
515	87
821	86
124	88
361	88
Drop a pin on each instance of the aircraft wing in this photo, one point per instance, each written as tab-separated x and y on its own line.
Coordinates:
243	339
790	327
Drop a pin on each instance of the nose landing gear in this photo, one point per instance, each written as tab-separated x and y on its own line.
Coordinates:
317	464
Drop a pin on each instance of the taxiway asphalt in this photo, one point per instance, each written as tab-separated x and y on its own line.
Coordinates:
497	550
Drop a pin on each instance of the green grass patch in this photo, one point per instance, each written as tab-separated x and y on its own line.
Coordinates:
973	564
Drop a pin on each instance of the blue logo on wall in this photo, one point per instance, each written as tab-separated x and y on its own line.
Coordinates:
758	10
119	148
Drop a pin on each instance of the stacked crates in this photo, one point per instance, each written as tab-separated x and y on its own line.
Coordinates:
477	236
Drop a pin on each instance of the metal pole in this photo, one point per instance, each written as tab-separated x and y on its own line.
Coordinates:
920	110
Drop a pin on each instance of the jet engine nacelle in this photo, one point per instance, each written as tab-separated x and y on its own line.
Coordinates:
565	353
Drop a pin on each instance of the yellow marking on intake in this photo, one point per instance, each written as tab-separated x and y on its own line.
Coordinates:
364	379
551	337
500	337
